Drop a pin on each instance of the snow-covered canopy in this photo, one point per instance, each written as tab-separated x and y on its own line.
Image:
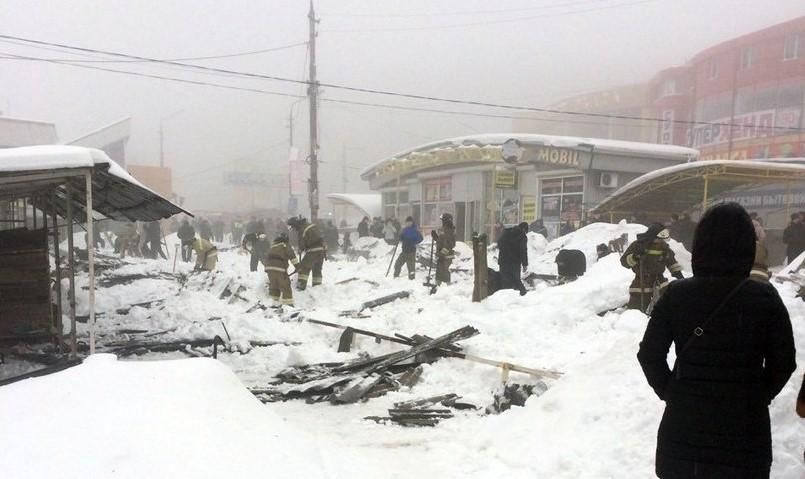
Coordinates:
369	204
486	148
38	171
683	187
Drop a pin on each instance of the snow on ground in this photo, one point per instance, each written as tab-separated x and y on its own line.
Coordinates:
109	418
598	421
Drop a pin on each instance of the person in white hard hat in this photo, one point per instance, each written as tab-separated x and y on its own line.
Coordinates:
648	257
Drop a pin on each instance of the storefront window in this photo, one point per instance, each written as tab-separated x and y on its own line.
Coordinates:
438	197
561	199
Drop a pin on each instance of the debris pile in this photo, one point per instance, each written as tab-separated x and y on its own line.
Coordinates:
422	412
362	378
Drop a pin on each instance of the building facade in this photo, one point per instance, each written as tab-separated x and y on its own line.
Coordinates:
556	179
741	99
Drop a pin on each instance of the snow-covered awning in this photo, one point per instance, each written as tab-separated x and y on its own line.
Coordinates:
486	149
690	185
369	204
46	173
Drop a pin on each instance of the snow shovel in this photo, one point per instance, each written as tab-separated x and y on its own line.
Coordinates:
428	283
175	255
393	254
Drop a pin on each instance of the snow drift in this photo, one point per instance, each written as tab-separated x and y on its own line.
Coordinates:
180	418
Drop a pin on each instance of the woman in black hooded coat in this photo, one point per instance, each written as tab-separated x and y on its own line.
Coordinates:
735	352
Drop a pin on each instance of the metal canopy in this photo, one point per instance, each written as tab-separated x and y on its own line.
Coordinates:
692	185
115	195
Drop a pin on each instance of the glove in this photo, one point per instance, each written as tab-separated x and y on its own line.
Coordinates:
678	275
434	235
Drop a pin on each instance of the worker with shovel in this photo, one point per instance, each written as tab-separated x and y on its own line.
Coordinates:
445	243
276	264
410	237
312	243
206	255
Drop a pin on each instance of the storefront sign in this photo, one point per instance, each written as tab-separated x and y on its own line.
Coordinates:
505	178
529	208
667	127
759	124
558	156
773	199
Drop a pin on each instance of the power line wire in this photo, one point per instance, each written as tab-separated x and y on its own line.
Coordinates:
209	57
380	92
157	77
491	22
452	14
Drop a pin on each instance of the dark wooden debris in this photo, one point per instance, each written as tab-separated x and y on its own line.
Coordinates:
423	412
514	395
362	378
374	303
53	368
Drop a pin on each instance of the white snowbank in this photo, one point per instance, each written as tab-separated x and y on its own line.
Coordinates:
181	418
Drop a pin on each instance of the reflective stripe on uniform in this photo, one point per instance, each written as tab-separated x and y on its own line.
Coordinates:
287	301
631	261
302	277
641	290
316	248
276	268
655	252
294	261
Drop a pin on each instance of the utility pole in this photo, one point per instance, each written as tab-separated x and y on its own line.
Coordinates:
161	144
313	94
343	168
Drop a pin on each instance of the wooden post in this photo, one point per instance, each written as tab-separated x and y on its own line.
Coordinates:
91	260
57	260
480	288
71	268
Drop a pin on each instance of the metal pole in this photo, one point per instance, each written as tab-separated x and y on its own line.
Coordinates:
313	94
33	211
71	269
91	260
161	144
57	260
704	197
397	206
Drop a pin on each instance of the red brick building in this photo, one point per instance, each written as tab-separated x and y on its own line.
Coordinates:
755	82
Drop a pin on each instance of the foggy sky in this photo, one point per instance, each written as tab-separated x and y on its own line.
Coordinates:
210	131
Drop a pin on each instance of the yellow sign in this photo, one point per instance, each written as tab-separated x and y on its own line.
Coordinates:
506	179
529	208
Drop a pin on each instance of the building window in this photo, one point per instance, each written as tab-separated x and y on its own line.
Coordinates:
747	57
794	46
668	88
562	199
437	199
712	69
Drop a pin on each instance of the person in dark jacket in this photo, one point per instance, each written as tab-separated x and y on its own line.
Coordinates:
735	352
205	230
513	253
539	228
794	237
445	248
363	227
410	237
186	234
648	257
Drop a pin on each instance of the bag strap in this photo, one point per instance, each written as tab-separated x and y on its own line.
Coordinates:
698	331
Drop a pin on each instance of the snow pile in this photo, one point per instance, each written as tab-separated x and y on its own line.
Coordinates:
108	418
598	421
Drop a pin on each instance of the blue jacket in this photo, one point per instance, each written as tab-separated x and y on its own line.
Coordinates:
410	237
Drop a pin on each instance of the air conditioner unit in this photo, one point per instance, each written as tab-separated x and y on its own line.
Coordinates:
608	180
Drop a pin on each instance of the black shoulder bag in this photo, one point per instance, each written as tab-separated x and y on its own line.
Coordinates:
698	331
